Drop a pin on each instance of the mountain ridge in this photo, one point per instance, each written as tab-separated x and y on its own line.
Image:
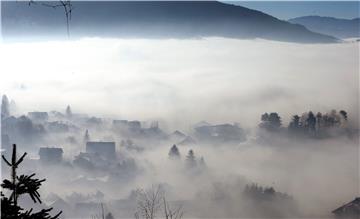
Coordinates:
338	27
157	19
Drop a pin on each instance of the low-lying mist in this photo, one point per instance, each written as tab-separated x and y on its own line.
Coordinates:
214	79
180	83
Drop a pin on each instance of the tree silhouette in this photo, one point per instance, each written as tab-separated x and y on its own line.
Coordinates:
275	120
311	122
21	185
319	120
265	117
270	122
149	202
66	5
5	107
191	160
86	136
68	112
170	212
295	124
343	113
174	152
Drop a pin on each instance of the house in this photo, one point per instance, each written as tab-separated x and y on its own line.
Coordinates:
223	133
126	127
105	149
134	126
350	210
51	155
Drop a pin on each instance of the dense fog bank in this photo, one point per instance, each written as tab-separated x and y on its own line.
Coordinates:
210	121
237	79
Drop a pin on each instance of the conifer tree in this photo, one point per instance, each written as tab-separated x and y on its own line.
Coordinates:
5	107
68	112
191	160
174	152
18	186
86	136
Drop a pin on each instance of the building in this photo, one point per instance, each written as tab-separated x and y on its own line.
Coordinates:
350	210
51	155
105	149
224	133
126	127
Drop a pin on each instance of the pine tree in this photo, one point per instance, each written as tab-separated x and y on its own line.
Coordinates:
5	107
86	136
270	122
174	152
191	160
318	121
295	123
275	120
68	112
311	122
21	185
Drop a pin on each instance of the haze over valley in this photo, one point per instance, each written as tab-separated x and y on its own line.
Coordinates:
206	124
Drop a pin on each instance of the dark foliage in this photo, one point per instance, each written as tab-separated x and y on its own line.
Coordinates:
270	122
174	152
191	160
21	185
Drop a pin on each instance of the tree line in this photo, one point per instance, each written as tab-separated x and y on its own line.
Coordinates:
308	123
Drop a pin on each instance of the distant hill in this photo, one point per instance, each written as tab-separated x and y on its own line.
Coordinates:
152	19
341	28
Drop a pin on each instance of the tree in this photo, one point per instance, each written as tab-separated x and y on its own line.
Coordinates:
319	120
149	202
270	122
295	123
86	136
265	117
5	107
21	185
191	160
343	113
170	212
275	120
66	5
174	152
311	122
68	112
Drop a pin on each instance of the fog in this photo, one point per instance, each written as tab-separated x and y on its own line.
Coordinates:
180	83
214	79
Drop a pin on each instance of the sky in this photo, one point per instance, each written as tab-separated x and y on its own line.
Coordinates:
291	9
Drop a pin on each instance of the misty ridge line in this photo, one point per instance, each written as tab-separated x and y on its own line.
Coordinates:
157	20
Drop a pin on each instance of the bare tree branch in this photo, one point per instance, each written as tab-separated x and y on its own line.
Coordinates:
66	5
